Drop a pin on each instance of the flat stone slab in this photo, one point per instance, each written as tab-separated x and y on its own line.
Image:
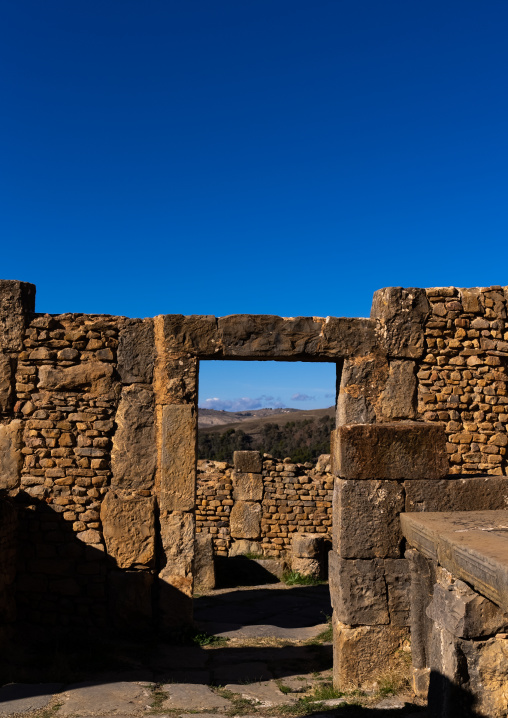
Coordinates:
233	630
192	697
266	694
242	673
121	698
472	545
24	697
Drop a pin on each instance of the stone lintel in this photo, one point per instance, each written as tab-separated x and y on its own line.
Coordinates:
395	450
472	545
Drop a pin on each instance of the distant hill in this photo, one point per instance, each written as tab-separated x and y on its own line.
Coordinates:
301	434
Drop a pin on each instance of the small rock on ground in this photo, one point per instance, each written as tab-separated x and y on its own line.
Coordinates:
24	697
192	697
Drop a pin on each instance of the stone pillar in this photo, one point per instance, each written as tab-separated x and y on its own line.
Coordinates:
369	577
307	554
245	517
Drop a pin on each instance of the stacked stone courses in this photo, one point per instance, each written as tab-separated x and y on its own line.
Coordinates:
295	498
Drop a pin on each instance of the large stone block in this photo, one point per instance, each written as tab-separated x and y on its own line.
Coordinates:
195	334
248	462
409	450
358	591
423	578
128	524
177	431
362	654
17	301
400	316
476	493
487	664
366	518
307	545
6	384
136	351
269	336
398	584
134	453
344	337
176	379
204	565
245	520
92	376
361	383
175	582
247	487
11	458
306	566
399	398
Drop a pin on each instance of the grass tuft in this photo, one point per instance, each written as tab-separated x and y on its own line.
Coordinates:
293	578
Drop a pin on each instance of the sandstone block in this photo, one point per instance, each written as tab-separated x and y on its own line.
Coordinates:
177	427
344	337
136	351
17	301
6	382
399	398
134	453
470	299
247	487
459	494
366	518
306	566
176	379
194	334
269	336
361	383
487	665
409	450
242	547
248	462
245	520
204	567
358	591
11	458
175	582
94	376
423	578
398	584
400	316
128	529
307	545
362	654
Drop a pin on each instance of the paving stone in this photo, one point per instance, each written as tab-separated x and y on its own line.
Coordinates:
24	697
266	693
192	697
242	673
121	698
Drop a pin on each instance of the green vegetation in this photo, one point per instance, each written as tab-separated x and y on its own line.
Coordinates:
325	636
293	578
158	697
301	440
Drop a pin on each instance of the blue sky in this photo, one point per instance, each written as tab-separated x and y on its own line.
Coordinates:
264	156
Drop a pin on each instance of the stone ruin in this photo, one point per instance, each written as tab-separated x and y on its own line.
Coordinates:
98	462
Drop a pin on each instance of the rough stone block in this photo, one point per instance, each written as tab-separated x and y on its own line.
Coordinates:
358	591
487	666
366	518
269	336
247	462
245	520
465	613
17	301
194	334
361	383
307	545
92	376
134	452
136	351
478	493
306	566
400	316
6	384
176	577
177	426
399	398
128	529
420	680
247	487
423	578
391	451
130	601
176	379
362	654
344	337
204	566
398	584
11	458
242	547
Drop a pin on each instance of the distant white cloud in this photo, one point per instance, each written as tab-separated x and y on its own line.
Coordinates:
243	403
329	396
302	397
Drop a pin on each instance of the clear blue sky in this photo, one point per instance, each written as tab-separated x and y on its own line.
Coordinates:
261	156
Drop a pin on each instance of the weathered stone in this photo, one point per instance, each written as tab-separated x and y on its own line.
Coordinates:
245	520
204	568
465	613
116	698
6	377
176	379
398	584
400	315
398	400
457	494
191	697
269	336
362	654
487	664
11	458
409	450
94	376
20	698
177	430
358	591
194	334
136	351
134	453
17	301
247	487
128	529
307	545
361	383
470	299
366	518
241	547
344	337
130	601
306	566
175	584
423	579
247	462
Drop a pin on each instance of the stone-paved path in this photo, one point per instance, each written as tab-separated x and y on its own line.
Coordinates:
271	662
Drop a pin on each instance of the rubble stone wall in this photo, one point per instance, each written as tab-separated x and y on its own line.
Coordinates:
295	498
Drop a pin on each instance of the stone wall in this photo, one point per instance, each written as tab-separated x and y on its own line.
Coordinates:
294	498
